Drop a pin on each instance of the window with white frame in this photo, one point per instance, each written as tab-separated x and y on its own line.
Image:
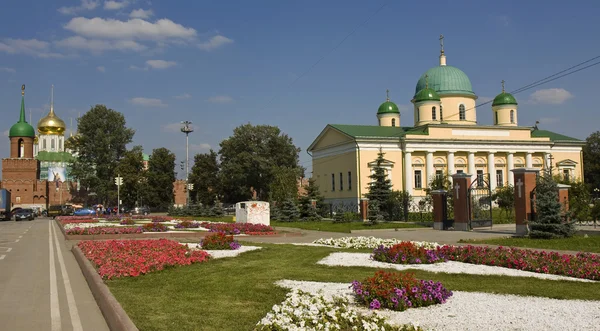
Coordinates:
433	114
566	174
499	178
512	116
439	174
479	178
462	113
393	122
441	113
418	179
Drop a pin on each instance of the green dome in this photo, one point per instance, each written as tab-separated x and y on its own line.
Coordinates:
504	99
446	80
388	107
22	128
427	94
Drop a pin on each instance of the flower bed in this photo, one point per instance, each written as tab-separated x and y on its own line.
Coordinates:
124	258
187	225
581	265
369	242
155	227
237	228
153	218
219	241
406	253
398	291
89	225
77	221
103	230
127	221
71	218
305	311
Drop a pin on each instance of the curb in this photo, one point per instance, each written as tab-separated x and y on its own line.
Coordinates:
116	318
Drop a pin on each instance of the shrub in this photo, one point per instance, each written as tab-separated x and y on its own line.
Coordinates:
398	291
127	221
406	252
187	225
219	240
155	227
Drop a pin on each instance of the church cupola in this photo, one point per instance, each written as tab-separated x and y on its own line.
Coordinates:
52	130
505	108
388	113
428	107
21	134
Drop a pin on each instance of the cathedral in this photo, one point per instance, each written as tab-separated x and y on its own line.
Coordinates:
444	139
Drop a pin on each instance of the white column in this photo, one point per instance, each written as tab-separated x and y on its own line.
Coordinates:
408	183
547	161
510	165
430	168
471	165
450	161
492	170
528	160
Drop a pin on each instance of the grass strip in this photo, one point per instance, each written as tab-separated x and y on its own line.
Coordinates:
577	243
329	226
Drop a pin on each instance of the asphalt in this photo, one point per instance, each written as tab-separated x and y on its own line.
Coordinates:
41	284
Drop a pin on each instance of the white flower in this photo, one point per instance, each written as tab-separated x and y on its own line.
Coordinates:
369	242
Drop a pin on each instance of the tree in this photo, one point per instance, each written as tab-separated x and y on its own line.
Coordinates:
205	177
505	198
100	145
249	159
287	211
580	199
591	160
380	190
161	175
284	185
550	221
307	211
131	169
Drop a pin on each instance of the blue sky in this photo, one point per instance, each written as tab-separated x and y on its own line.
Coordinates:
220	64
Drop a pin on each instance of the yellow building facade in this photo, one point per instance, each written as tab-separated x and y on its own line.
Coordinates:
444	139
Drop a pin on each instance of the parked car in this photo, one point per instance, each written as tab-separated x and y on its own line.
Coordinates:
24	214
84	212
60	210
140	211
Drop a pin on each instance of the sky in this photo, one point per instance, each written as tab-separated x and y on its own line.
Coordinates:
299	65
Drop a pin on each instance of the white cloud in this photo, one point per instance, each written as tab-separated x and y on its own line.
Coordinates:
5	69
214	43
174	127
85	5
147	102
132	67
141	13
31	47
132	29
98	46
101	69
115	5
553	96
200	147
220	99
160	64
5	133
183	96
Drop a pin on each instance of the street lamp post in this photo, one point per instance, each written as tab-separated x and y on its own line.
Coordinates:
119	182
187	129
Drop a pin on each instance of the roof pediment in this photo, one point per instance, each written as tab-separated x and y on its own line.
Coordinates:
385	164
566	162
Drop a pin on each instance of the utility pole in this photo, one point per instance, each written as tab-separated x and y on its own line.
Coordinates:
187	129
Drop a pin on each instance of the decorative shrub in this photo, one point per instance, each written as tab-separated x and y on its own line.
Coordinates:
406	253
236	228
219	240
305	311
155	227
187	225
123	258
398	291
581	265
127	221
103	230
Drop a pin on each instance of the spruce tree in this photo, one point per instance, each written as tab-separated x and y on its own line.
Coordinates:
288	211
307	211
380	190
551	219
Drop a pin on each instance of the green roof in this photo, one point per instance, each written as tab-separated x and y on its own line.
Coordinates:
504	99
445	80
427	94
54	156
552	135
22	128
388	107
146	157
375	131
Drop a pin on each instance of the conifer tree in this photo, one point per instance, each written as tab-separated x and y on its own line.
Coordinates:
551	219
380	190
307	211
287	211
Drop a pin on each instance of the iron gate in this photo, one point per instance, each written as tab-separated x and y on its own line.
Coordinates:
480	202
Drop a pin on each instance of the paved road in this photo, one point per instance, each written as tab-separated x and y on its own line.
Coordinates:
41	285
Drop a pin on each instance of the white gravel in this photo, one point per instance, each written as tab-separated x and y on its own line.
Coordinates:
481	311
452	267
218	254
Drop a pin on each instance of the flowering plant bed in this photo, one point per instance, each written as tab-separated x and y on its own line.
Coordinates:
90	225
581	265
127	221
77	220
152	218
305	311
70	218
369	242
187	225
398	291
218	241
251	233
237	228
103	230
155	227
123	258
406	253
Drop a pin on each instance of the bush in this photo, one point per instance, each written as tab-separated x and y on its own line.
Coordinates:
219	240
127	221
155	227
187	225
407	253
398	291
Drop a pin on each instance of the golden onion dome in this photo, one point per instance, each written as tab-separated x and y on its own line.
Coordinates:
51	124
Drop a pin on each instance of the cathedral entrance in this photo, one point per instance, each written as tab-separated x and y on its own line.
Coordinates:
480	202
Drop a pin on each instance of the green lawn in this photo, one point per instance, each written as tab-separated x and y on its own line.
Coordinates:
576	243
235	293
329	226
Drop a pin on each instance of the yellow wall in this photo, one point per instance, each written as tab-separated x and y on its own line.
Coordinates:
331	138
451	106
504	115
437	133
426	113
367	156
344	163
386	119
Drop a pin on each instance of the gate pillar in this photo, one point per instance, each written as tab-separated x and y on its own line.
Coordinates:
364	209
525	182
563	195
440	207
460	190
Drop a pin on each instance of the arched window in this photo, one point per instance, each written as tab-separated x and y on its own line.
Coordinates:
433	117
52	144
496	120
21	151
393	122
44	144
462	113
418	116
441	114
60	145
512	116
